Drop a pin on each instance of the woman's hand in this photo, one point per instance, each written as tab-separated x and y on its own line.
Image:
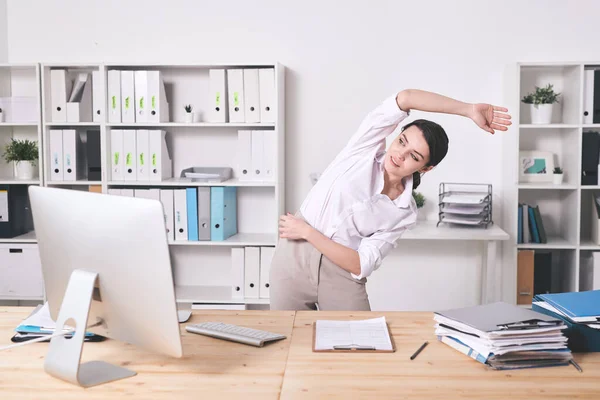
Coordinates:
291	227
489	117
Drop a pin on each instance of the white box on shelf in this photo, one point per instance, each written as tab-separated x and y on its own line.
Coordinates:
266	256
251	95
266	80
235	95
127	97
114	96
21	272
56	155
237	272
141	96
252	272
217	105
60	88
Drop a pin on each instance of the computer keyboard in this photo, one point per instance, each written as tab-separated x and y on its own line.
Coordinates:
234	333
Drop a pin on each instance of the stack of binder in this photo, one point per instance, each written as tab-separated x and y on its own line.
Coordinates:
465	204
580	311
503	336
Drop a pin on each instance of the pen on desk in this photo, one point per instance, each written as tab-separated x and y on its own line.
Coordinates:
576	365
418	351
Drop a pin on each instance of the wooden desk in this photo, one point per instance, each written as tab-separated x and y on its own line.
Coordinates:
438	372
215	369
210	368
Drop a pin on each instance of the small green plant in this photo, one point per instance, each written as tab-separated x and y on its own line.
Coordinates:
558	170
188	108
419	199
21	150
545	95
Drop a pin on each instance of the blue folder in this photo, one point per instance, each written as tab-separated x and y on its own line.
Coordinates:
581	338
192	213
575	304
223	212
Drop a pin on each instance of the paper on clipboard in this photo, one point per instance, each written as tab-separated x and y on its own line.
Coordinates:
369	334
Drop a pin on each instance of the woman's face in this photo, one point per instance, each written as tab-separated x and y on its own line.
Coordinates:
407	154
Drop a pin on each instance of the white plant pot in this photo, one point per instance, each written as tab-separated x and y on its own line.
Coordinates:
541	113
557	179
189	117
26	170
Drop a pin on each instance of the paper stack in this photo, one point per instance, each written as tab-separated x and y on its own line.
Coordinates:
504	336
39	323
580	311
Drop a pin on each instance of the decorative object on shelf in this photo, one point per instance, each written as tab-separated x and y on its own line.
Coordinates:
541	104
207	174
189	115
468	204
536	166
419	198
558	175
1	115
24	153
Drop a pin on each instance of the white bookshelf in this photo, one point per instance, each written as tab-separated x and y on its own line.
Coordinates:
565	208
20	81
202	269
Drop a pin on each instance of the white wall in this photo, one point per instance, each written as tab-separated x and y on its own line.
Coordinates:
343	59
3	32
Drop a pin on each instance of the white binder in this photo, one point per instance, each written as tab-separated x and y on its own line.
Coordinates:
588	96
251	95
237	272
141	96
258	156
72	171
266	80
117	158
266	255
142	148
60	88
244	155
97	96
114	192
235	95
79	103
269	155
56	155
157	105
127	97
160	164
180	214
130	155
114	96
217	105
127	192
252	272
166	198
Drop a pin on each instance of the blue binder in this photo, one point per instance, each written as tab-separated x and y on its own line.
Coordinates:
192	213
223	212
575	304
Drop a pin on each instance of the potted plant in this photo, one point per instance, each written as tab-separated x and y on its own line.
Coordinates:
420	201
541	103
24	153
558	175
189	115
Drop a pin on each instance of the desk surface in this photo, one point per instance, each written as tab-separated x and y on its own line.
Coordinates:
427	230
212	368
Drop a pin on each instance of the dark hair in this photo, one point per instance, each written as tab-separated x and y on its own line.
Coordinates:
436	139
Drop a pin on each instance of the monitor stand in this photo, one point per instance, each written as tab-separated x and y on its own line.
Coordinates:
64	355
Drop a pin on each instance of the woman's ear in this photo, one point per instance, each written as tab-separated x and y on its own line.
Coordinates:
426	169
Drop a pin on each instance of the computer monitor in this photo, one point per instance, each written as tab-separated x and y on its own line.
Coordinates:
105	260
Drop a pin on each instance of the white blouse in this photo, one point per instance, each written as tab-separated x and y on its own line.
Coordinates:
346	203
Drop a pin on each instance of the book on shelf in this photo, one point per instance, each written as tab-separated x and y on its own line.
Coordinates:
530	225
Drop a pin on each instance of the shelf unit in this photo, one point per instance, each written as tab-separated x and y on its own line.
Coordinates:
202	270
565	208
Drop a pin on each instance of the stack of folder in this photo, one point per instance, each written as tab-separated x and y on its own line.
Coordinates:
503	336
39	323
580	311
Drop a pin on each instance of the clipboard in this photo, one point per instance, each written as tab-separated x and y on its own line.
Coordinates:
352	349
